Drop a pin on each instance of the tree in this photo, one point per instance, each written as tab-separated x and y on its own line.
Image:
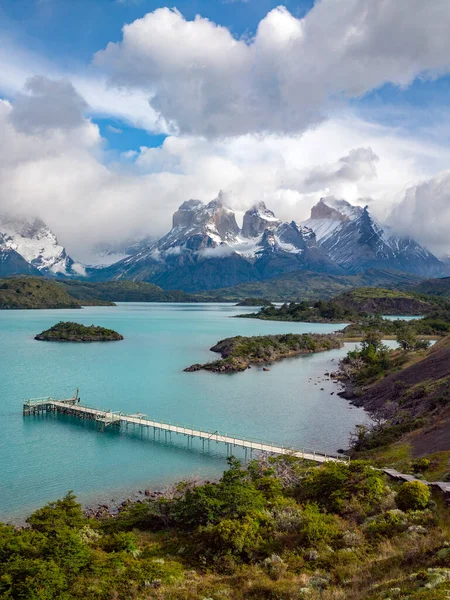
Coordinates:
406	338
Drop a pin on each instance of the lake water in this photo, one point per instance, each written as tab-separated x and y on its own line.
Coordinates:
41	458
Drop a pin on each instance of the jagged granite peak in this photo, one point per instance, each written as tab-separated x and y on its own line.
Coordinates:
257	219
206	249
196	225
34	241
354	239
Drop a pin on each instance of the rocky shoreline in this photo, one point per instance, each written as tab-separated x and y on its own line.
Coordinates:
240	353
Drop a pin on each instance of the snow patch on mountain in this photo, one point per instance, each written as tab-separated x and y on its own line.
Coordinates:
38	246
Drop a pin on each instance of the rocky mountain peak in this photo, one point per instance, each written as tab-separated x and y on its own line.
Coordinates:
257	219
34	241
334	209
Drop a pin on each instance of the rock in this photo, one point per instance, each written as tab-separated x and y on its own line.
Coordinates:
266	369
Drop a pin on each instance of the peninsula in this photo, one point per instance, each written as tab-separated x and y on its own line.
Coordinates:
75	332
239	353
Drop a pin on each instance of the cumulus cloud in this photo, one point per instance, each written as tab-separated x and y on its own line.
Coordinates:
424	213
48	104
359	163
63	175
204	81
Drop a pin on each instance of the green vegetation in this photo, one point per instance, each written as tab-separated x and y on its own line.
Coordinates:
75	332
254	302
357	306
413	495
436	287
305	285
34	292
279	529
321	311
239	352
123	291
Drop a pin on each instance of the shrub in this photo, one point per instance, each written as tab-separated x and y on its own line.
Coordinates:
413	495
317	527
334	486
238	538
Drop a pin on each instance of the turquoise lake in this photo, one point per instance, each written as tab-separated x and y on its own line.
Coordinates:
41	458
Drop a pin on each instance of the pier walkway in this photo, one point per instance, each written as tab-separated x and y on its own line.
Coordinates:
109	418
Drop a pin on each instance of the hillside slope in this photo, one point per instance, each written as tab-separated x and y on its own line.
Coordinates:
34	292
417	398
383	301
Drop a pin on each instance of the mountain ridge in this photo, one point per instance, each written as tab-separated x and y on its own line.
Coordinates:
206	249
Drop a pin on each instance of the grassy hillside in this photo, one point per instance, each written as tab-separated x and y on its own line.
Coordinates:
304	285
123	291
355	306
34	292
407	391
436	287
384	301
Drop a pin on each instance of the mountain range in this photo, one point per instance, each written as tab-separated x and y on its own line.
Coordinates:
206	249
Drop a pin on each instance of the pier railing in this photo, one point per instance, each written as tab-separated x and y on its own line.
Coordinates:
110	418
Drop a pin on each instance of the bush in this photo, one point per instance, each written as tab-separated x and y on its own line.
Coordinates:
317	527
335	486
413	495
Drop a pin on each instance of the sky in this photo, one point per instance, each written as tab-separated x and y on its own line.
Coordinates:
114	112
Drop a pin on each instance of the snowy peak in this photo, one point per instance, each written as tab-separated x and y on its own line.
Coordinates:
354	239
338	210
196	225
257	219
38	246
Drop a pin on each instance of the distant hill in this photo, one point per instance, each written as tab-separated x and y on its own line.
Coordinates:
122	291
305	285
435	287
34	292
387	302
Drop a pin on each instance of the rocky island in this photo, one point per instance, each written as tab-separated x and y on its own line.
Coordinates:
75	332
239	353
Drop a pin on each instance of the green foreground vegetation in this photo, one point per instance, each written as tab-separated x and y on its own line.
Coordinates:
239	352
278	529
75	332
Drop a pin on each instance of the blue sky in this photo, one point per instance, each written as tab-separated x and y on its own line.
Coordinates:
253	97
69	32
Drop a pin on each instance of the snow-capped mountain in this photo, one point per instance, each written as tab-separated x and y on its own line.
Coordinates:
38	246
206	249
356	241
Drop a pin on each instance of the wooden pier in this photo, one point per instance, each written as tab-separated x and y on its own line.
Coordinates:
110	418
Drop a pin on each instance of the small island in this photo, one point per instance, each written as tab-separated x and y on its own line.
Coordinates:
75	332
254	302
239	353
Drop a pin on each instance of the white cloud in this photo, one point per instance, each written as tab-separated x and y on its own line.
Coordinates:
204	81
113	129
104	100
424	213
48	104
